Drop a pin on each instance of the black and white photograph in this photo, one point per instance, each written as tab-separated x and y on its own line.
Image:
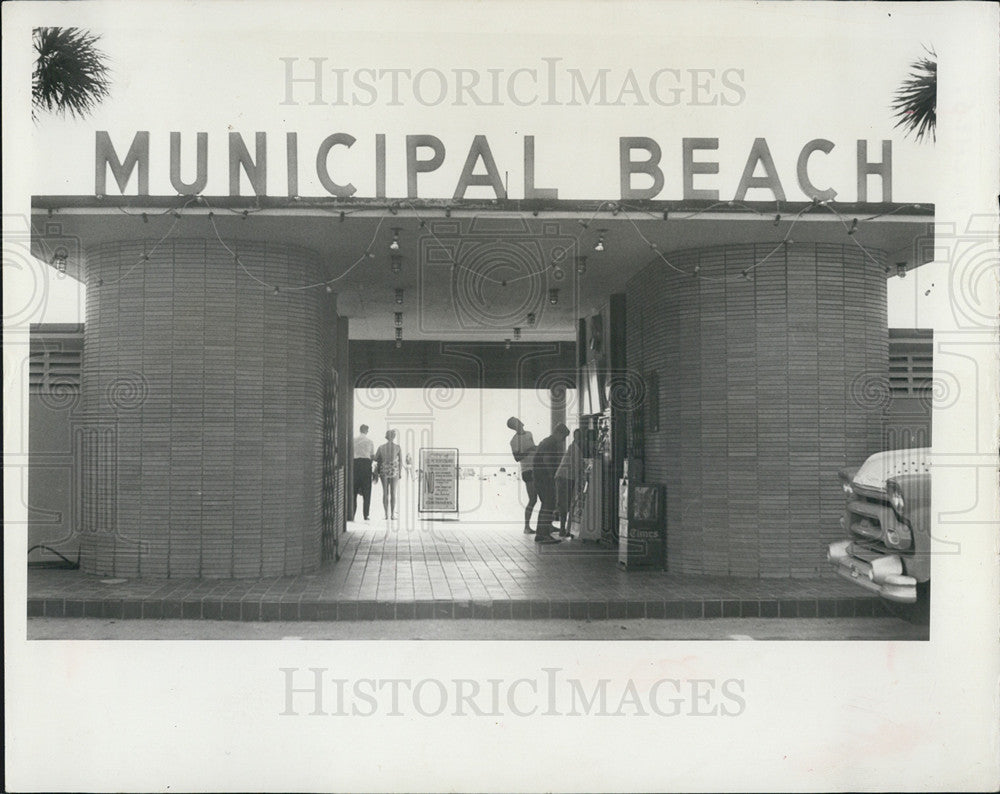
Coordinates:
394	393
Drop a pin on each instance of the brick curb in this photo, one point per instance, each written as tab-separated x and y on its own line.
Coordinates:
298	608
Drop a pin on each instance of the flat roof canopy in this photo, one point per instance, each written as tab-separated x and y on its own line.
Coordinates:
469	269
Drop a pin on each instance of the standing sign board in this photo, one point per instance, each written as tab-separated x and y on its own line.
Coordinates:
438	481
642	542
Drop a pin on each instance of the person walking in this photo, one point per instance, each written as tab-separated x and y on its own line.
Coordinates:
364	453
567	478
389	464
546	461
522	446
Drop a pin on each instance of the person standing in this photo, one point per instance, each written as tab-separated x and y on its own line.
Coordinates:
546	461
389	463
522	446
567	478
364	453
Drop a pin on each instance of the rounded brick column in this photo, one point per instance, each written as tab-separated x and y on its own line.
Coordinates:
201	442
768	386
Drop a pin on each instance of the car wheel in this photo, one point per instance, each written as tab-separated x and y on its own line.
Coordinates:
919	612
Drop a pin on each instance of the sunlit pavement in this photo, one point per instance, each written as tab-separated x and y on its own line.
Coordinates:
746	629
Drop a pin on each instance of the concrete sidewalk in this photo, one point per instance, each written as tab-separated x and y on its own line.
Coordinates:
393	571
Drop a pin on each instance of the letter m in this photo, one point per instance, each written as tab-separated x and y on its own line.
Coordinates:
600	691
138	154
599	87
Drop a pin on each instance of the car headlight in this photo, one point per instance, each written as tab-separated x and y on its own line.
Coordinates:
896	499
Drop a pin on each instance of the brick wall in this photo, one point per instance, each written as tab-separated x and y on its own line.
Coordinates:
208	391
54	398
767	388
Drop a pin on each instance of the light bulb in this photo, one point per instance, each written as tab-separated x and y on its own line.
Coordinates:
59	259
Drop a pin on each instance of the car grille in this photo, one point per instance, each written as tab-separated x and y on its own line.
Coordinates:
867	549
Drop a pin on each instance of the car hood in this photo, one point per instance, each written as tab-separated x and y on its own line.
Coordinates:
883	465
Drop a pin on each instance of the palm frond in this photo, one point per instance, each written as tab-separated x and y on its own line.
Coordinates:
70	74
915	102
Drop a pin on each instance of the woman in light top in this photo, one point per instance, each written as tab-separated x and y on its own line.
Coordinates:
389	463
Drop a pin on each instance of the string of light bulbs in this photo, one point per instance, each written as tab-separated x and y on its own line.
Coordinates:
625	210
695	271
483	276
144	258
276	288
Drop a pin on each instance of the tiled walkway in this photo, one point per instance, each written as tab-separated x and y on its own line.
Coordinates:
447	569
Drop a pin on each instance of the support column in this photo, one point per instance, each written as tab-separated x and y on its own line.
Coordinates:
768	386
214	384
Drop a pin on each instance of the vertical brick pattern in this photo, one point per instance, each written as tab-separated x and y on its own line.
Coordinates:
767	388
213	384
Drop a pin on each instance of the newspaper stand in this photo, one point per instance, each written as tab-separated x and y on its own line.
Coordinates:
642	526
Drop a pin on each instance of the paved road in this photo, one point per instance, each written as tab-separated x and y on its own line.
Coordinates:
718	629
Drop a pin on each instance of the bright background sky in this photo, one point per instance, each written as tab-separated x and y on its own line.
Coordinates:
834	80
474	422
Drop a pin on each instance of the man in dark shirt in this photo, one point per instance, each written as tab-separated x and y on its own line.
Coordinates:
364	452
548	455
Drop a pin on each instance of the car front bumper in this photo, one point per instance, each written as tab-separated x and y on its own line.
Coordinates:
881	575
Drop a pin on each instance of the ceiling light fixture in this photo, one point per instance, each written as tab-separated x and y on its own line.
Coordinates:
59	259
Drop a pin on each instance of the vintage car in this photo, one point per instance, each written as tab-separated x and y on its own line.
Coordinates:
887	522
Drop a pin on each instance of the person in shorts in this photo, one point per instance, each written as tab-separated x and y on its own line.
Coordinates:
389	462
522	446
